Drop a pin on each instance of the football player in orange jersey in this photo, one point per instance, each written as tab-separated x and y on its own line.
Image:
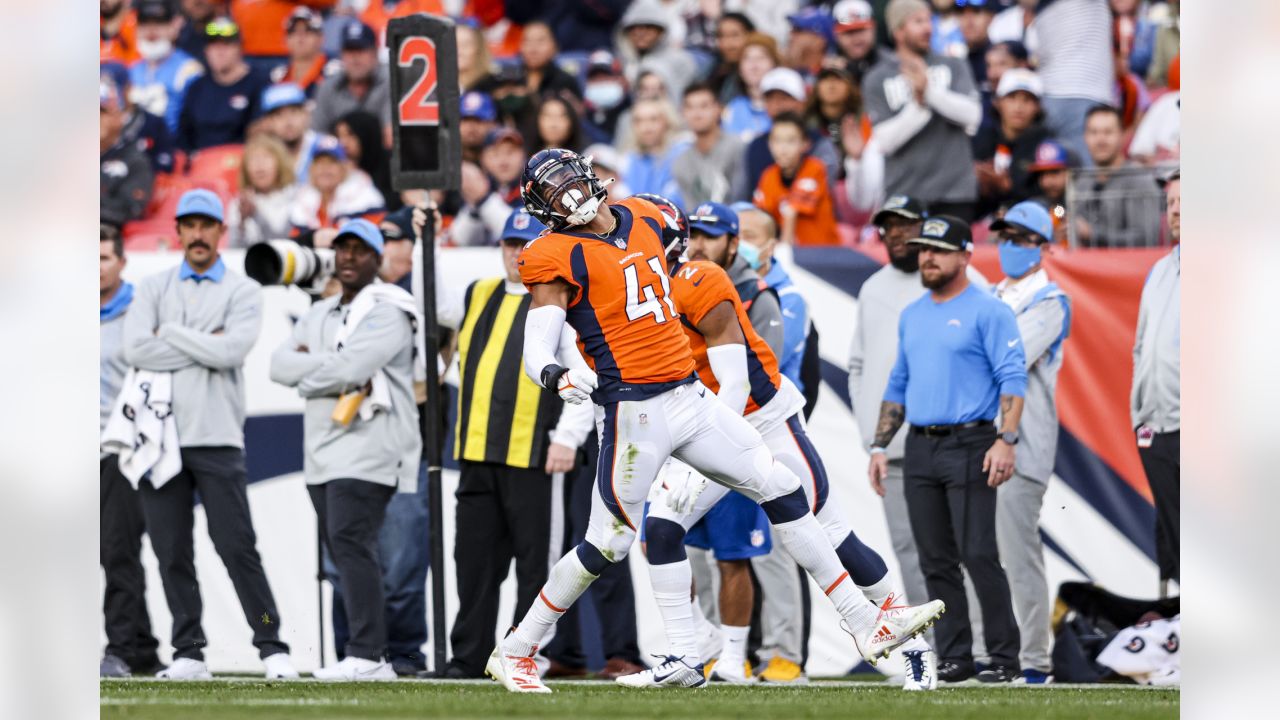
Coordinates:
603	269
717	320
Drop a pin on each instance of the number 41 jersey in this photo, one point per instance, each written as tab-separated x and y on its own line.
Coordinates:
627	323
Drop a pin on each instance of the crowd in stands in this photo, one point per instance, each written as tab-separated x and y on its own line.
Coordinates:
816	112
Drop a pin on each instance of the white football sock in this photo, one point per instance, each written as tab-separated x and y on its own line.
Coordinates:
567	580
805	539
734	652
881	590
671	583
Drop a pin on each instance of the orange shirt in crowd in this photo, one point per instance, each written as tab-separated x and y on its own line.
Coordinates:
121	47
808	193
376	15
262	22
305	79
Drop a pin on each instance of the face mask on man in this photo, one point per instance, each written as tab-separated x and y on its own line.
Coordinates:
152	50
1016	260
750	253
605	94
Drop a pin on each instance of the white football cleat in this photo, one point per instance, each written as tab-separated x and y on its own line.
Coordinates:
894	626
518	674
354	669
673	672
921	667
186	669
280	667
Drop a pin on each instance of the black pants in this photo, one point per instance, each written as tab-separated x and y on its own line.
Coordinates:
218	474
1162	464
350	514
124	603
611	596
502	513
953	519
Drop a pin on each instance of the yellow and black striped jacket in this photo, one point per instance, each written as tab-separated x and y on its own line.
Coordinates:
503	416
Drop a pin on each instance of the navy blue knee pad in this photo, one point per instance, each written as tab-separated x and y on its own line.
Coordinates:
865	565
591	558
664	541
792	506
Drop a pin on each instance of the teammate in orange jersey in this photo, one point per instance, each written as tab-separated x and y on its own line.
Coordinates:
603	268
717	321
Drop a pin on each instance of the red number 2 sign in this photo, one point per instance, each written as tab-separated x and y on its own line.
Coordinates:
415	108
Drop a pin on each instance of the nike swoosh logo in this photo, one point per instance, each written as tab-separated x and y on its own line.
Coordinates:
1012	343
702	393
660	678
704	277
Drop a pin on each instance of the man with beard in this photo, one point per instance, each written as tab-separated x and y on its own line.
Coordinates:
960	363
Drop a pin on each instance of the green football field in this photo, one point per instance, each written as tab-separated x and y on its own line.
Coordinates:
580	700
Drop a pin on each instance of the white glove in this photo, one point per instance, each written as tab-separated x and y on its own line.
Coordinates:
576	385
684	485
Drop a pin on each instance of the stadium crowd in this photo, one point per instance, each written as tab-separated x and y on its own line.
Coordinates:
1032	123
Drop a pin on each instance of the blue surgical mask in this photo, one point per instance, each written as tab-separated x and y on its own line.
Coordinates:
1017	261
605	95
750	253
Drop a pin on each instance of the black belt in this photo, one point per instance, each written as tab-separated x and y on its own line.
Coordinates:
945	430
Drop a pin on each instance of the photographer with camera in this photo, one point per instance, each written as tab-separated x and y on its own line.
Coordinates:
352	357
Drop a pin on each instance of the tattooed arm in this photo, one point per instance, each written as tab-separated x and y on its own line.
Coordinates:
1010	413
892	415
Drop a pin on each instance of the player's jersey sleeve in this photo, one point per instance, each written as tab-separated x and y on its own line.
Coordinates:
698	287
545	260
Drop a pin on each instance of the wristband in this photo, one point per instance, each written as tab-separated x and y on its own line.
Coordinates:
551	375
876	450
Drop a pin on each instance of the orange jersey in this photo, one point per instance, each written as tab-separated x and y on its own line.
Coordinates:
698	287
262	22
628	327
808	194
121	47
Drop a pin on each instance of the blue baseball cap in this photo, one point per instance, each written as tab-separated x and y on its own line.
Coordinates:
358	36
1050	155
522	226
363	229
1027	215
328	145
815	21
479	106
282	95
199	202
714	219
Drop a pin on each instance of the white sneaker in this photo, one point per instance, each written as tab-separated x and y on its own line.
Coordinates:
921	668
186	669
673	672
738	673
710	640
355	669
894	626
280	667
519	674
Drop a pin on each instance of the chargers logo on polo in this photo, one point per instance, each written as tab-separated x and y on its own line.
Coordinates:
935	228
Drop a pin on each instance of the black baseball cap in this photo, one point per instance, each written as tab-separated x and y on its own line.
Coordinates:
1168	176
900	205
944	232
155	11
358	36
398	225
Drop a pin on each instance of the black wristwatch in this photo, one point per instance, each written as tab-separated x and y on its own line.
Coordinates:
1010	437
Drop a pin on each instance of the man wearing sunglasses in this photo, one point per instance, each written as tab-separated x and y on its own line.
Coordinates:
220	105
1044	319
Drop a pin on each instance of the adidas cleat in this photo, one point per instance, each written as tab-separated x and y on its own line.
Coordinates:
894	626
673	672
516	673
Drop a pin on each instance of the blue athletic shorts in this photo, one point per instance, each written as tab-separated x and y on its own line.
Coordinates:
735	529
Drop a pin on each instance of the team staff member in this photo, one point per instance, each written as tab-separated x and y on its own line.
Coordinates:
960	361
130	645
198	321
358	344
1044	318
1155	402
514	443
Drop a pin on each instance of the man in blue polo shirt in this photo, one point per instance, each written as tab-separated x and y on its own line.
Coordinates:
960	362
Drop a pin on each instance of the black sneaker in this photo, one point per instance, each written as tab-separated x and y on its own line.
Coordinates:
998	674
450	672
950	671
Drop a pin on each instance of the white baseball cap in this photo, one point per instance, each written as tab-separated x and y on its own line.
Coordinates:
1015	79
784	79
852	15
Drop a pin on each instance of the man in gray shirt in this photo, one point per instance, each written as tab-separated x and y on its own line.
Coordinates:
1115	203
361	84
924	108
356	348
704	170
198	321
1044	320
130	645
1155	403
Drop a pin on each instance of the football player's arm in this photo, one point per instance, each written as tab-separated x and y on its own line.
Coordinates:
543	329
727	353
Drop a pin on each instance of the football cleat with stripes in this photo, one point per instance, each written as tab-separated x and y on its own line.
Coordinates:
895	625
517	674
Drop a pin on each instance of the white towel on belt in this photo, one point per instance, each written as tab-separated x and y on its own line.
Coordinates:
364	301
142	429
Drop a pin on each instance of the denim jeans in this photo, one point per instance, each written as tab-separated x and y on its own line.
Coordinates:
404	550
